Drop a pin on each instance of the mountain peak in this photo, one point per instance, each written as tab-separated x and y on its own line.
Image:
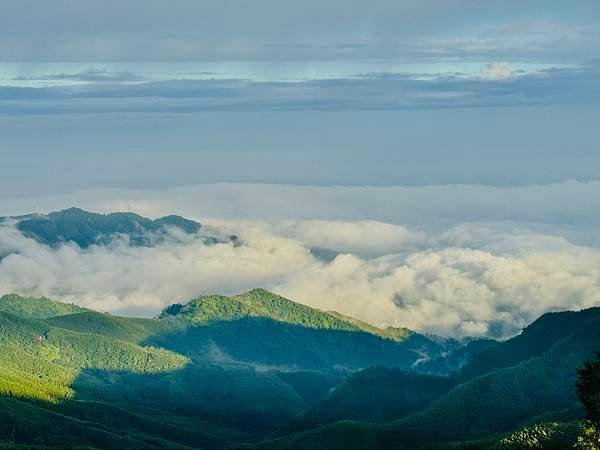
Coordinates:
87	228
36	307
261	303
72	210
257	303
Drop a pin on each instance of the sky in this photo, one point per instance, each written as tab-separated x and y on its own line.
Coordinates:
453	142
152	94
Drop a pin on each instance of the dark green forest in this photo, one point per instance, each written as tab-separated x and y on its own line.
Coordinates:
259	370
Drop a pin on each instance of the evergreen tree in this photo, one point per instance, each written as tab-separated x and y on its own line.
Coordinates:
588	392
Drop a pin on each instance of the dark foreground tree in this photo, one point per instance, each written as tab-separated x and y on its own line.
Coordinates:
588	392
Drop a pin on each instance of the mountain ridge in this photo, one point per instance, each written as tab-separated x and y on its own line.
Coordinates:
268	372
86	228
75	358
260	302
495	403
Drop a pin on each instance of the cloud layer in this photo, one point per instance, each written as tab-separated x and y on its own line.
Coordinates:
497	85
467	280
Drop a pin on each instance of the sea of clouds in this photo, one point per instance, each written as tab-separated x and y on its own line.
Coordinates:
451	260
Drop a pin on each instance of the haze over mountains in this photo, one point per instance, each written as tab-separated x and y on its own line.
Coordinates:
467	281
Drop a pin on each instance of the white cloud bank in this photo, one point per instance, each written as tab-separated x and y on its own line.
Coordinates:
469	280
455	260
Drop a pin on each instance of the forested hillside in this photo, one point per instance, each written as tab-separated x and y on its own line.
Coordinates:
257	369
216	370
378	394
531	379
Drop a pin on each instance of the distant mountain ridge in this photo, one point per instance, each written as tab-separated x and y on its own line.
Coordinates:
86	228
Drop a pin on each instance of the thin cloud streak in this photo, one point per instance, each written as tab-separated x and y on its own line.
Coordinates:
497	85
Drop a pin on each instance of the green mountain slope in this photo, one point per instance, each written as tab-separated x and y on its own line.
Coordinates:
41	361
55	370
362	436
262	328
35	307
79	424
534	340
537	388
219	369
396	334
257	303
377	394
123	328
